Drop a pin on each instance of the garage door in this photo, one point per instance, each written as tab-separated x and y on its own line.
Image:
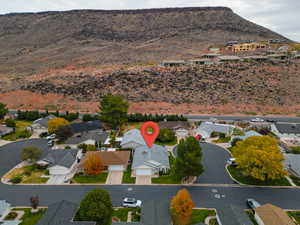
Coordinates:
143	172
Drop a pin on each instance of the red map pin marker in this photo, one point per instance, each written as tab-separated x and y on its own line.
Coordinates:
150	131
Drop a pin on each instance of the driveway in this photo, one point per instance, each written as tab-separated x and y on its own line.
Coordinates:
214	161
114	177
141	180
56	179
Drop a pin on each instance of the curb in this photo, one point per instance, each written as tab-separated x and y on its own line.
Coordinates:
232	178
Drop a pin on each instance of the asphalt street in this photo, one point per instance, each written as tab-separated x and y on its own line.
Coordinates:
214	161
246	118
218	196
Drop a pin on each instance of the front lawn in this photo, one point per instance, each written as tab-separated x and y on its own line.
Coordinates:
30	218
199	215
222	140
20	131
85	179
121	214
237	174
31	174
127	179
295	215
251	216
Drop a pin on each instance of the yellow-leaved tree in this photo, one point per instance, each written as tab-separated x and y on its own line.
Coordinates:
260	158
182	207
93	164
55	123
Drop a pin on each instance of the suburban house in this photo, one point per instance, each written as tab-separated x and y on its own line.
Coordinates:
62	164
85	127
132	139
5	208
150	161
112	161
62	213
4	130
89	138
272	215
41	124
292	164
206	128
181	128
286	130
250	133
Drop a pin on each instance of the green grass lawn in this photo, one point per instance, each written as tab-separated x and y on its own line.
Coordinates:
295	215
20	132
36	180
222	140
236	173
122	214
199	215
30	218
82	179
127	179
251	216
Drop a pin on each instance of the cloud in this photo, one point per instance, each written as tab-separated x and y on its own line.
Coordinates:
278	15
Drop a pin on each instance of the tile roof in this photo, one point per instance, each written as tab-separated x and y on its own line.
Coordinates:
62	213
288	128
152	157
273	215
61	157
111	158
86	126
133	135
96	135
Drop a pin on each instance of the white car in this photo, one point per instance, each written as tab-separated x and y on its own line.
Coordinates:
231	162
51	137
50	143
132	203
257	120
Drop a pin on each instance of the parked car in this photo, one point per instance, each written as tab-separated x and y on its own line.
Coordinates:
231	162
50	143
271	120
51	137
44	134
131	203
257	120
252	203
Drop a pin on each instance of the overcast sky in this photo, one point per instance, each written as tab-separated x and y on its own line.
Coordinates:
278	15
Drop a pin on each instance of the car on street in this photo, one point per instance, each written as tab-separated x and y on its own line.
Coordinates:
257	120
252	203
51	137
271	120
131	203
231	162
50	143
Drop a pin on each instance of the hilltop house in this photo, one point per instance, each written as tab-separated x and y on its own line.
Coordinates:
206	128
150	161
132	139
62	164
286	130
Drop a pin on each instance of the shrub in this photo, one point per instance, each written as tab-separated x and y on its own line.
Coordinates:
91	148
31	154
222	135
16	180
68	147
166	135
214	134
10	123
295	150
234	141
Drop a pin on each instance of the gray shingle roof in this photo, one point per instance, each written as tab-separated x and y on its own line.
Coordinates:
61	157
86	126
96	135
62	213
210	127
174	124
133	135
288	128
150	156
5	130
250	133
44	121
